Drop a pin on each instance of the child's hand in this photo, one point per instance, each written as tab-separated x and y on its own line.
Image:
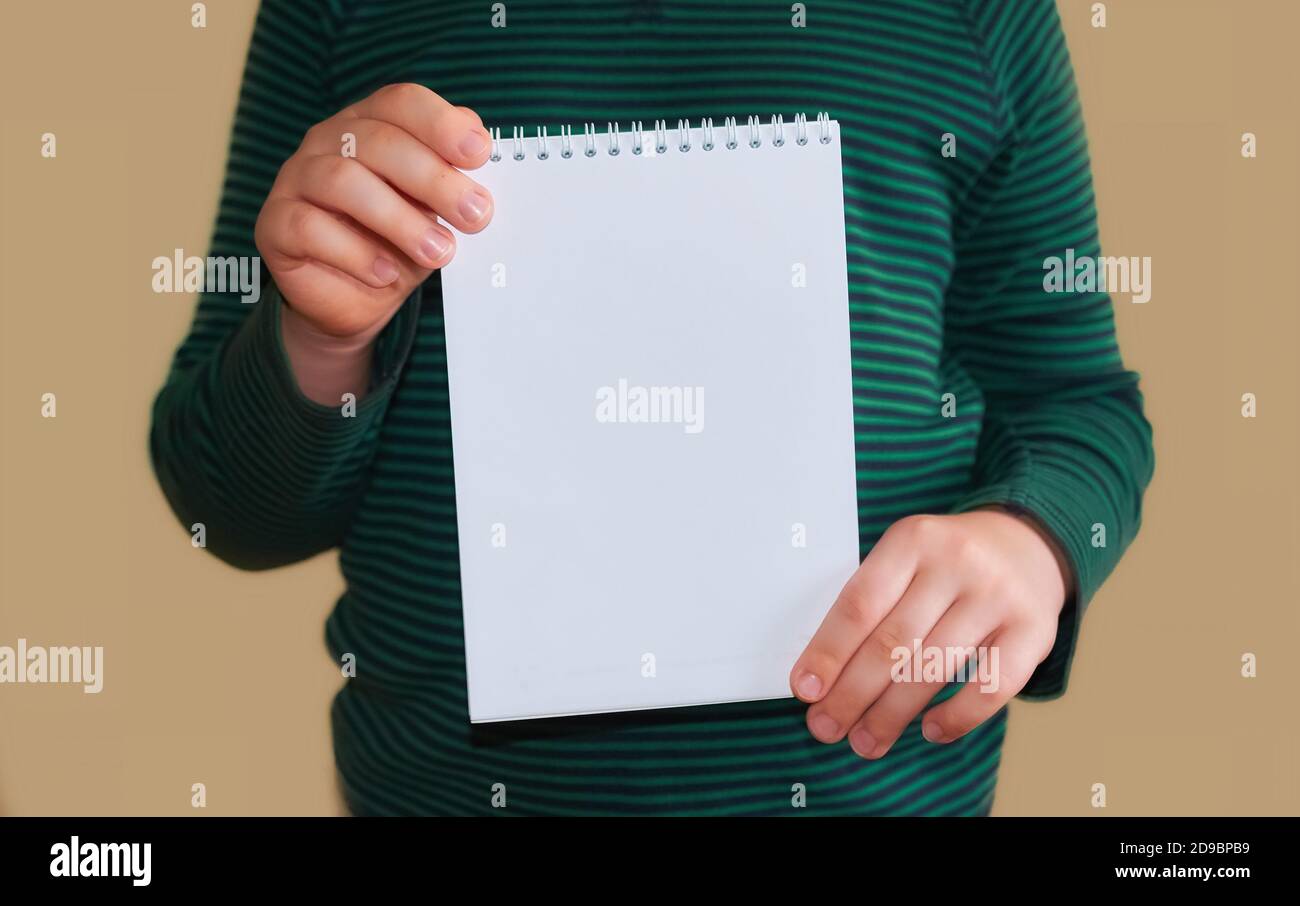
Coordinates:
347	238
985	578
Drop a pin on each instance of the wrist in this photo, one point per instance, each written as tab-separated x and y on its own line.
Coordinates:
324	366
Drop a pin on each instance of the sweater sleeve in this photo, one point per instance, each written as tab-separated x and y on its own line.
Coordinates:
1065	442
236	446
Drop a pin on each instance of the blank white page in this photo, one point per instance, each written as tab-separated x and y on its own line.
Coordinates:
652	421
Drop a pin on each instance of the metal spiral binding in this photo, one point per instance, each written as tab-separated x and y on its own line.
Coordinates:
753	124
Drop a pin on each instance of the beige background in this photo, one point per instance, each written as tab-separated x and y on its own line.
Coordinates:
221	677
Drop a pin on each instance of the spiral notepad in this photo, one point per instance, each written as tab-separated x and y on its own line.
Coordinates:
652	414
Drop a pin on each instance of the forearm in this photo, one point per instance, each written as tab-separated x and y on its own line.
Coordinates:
272	475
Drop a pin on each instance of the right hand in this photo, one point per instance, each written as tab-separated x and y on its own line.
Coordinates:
347	239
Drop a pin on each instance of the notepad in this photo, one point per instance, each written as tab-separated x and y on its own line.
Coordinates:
651	400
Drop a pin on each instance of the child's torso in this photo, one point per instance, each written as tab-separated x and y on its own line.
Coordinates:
898	76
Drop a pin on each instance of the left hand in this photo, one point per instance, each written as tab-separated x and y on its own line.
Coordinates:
948	584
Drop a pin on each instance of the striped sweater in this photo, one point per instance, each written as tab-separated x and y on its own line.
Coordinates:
946	259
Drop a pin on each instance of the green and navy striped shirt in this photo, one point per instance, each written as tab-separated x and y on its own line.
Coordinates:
945	255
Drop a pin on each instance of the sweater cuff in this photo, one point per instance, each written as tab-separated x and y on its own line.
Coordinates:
258	361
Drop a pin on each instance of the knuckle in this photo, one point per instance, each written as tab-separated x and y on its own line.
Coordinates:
886	640
292	164
972	556
335	173
406	93
923	528
382	135
272	224
857	608
301	219
965	551
956	539
261	239
1018	605
320	132
267	211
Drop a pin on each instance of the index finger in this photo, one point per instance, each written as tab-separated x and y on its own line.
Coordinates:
867	597
455	134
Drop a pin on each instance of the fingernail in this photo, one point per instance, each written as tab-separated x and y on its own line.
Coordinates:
474	205
824	727
862	742
434	246
932	731
473	144
809	686
385	270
